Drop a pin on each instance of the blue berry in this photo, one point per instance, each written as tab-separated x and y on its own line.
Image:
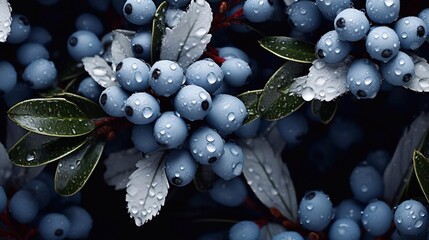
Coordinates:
180	167
350	209
258	10
170	130
293	128
399	71
206	74
206	145
40	191
80	222
8	77
330	8
379	159
412	32
351	25
54	226
304	16
29	52
112	100
331	49
139	12
230	193
344	229
227	113
230	164
19	29
143	138
377	218
193	102
424	15
141	108
288	235
166	77
382	12
363	79
382	43
249	130
236	72
132	74
315	211
141	44
410	218
232	52
3	199
244	230
90	89
39	34
82	44
23	207
40	74
178	3
89	22
366	183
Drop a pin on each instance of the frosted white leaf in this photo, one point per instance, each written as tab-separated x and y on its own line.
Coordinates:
121	47
420	82
147	189
100	71
5	19
5	165
172	16
325	81
185	43
289	2
119	166
269	230
275	139
399	169
269	177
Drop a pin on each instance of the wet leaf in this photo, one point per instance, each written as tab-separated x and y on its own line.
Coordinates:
147	189
186	42
90	108
121	46
420	82
158	30
100	71
119	166
421	169
34	149
5	19
289	48
51	116
324	110
275	101
269	230
74	169
251	100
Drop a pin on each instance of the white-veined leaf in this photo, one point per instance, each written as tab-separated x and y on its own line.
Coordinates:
399	170
186	42
147	189
121	46
100	71
420	82
119	166
5	19
269	177
269	230
275	139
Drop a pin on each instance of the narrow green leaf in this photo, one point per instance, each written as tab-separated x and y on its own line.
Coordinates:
324	110
34	149
90	108
250	100
289	48
74	169
50	92
275	101
52	117
158	29
421	169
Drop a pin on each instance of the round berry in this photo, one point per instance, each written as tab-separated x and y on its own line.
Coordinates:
19	29
227	113
366	183
39	34
141	108
363	79
330	8
180	167
139	12
82	44
143	138
236	72
344	229
382	43
29	52
89	22
230	164
315	211
54	226
410	218
288	235
351	25
80	222
293	128
3	199
244	230
379	159
90	89
40	74
8	77
170	130
350	209
331	49
399	71
206	145
424	15
258	10
304	16
412	32
206	74
132	74
141	44
40	191
193	102
112	100
230	193
23	207
232	52
377	218
249	130
166	77
382	12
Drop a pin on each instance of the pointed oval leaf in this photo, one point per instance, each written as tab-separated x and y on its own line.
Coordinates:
121	46
74	169
421	169
119	166
324	110
275	101
158	30
289	48
34	149
51	116
5	19
250	100
90	108
100	71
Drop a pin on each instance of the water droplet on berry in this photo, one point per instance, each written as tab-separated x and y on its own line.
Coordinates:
231	116
210	147
211	78
138	76
389	3
364	188
367	81
418	223
310	207
147	112
210	138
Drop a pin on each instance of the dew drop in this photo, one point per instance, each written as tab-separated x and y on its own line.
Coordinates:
147	112
310	207
418	223
30	157
364	188
328	42
210	147
138	76
210	138
389	3
308	94
231	116
211	78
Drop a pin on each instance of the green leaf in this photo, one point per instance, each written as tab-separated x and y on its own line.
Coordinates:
324	110
90	108
50	92
51	116
289	48
250	100
34	149
158	29
275	101
421	169
74	169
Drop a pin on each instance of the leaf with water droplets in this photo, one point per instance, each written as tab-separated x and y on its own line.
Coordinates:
158	30
421	169
289	48
90	108
119	166
74	169
251	100
276	101
100	71
269	230
121	46
5	19
51	116
420	82
269	177
34	149
325	111
289	2
147	189
399	170
186	42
